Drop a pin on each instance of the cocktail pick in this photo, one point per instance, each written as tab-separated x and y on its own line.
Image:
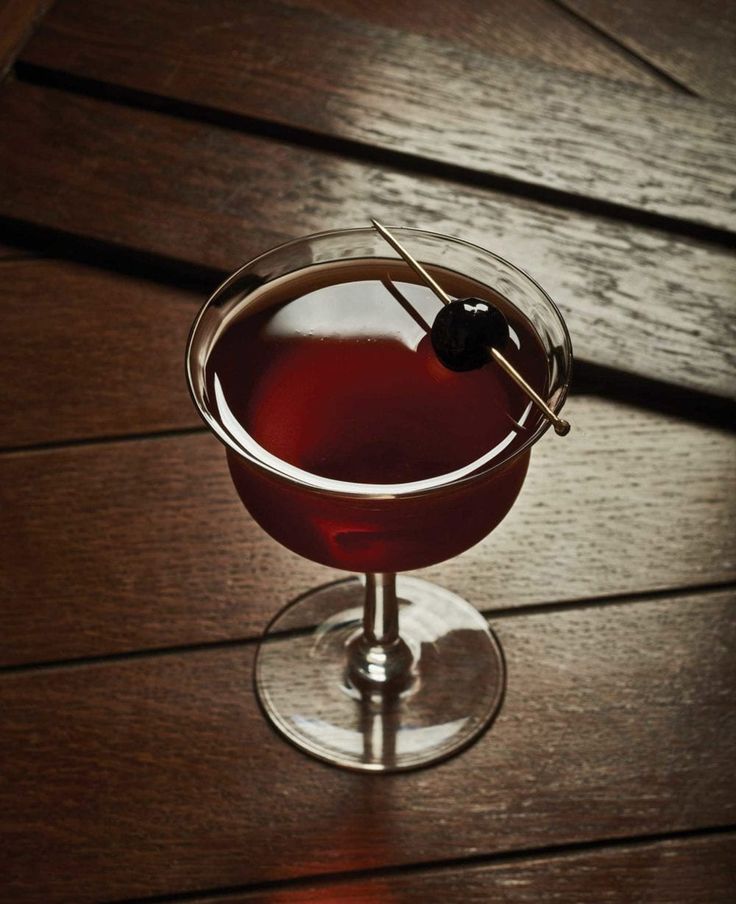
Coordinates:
561	426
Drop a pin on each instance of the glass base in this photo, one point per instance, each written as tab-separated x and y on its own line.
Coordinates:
452	690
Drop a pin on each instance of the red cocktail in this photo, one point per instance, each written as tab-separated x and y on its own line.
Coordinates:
351	444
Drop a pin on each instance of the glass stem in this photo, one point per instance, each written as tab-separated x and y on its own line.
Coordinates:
379	661
381	611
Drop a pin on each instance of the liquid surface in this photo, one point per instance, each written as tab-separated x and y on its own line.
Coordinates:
337	376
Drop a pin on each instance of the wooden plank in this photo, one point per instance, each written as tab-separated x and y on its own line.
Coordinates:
682	871
160	774
17	19
121	546
100	354
400	92
636	300
532	30
693	41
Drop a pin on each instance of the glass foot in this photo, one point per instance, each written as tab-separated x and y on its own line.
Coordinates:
452	691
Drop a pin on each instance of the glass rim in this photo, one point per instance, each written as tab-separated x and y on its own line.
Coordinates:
315	483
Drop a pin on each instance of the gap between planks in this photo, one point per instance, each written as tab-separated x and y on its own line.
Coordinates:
629	52
594	602
53	445
548	851
48	243
359	151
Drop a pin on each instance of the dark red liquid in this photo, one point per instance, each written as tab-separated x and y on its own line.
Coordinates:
333	375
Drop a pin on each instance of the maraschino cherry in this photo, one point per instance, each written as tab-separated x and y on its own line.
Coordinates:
465	330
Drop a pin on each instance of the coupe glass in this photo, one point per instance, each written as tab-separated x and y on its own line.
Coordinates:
379	673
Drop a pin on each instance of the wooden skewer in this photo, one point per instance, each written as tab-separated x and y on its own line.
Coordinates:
561	426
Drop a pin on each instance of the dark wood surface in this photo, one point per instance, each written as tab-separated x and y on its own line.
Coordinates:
693	41
407	94
146	150
161	772
101	353
195	192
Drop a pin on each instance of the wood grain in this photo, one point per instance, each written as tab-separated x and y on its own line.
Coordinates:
693	41
692	871
532	30
122	546
636	300
653	151
100	354
17	19
159	774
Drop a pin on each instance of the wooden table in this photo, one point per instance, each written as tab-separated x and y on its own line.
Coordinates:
149	147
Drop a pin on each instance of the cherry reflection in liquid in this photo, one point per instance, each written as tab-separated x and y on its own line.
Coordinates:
332	372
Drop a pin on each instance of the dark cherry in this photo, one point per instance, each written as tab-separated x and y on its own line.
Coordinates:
463	330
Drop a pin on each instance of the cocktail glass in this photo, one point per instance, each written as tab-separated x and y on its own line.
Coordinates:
379	673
